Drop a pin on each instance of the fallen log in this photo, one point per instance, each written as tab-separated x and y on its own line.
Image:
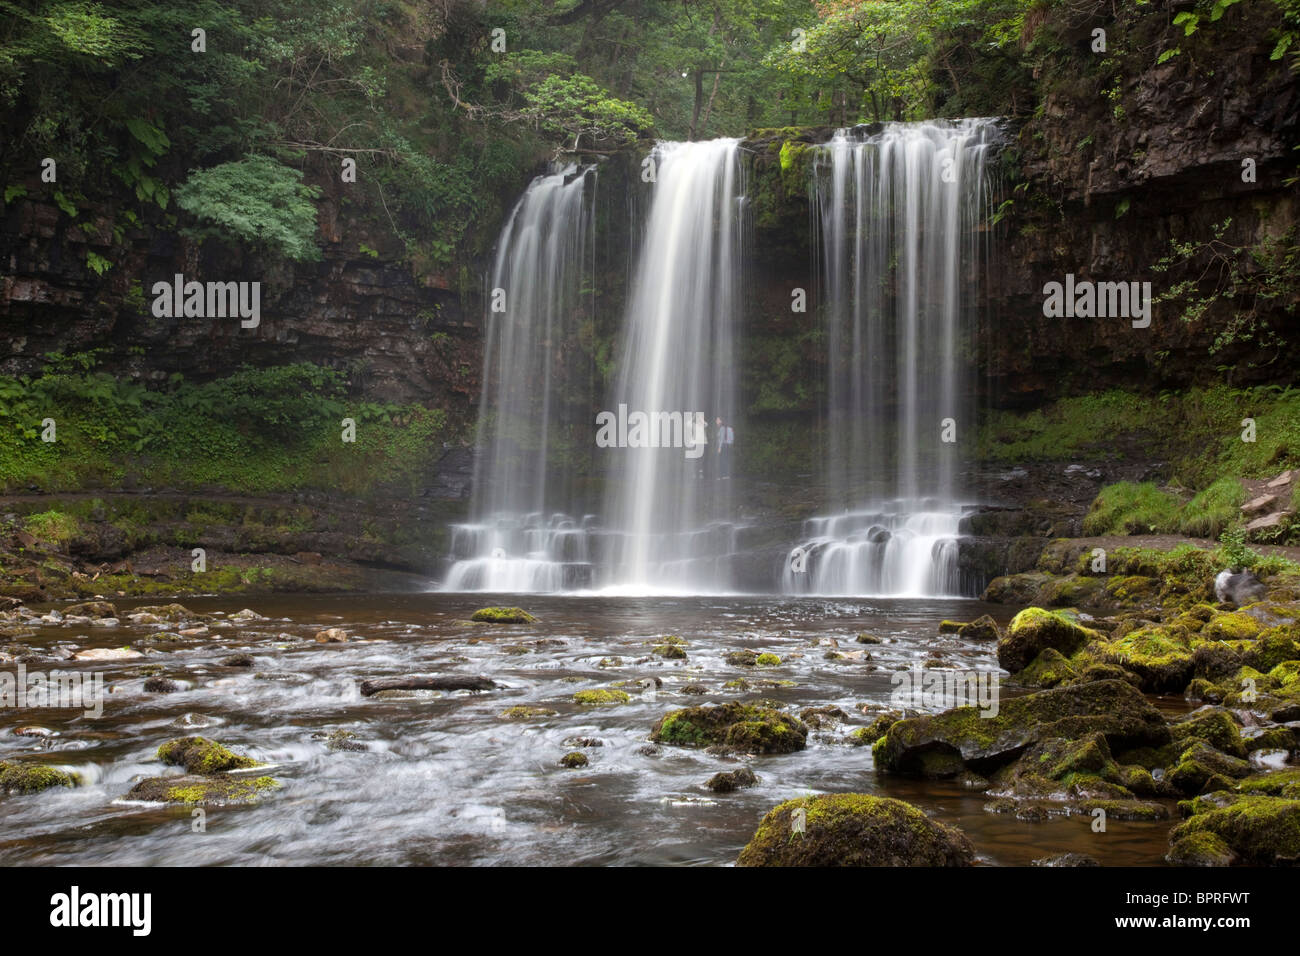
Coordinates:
416	682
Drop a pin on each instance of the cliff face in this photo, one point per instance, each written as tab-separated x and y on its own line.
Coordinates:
398	340
1117	165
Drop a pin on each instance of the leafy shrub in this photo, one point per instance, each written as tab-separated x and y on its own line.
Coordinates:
256	200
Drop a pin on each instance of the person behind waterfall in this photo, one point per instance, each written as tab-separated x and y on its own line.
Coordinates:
696	437
726	438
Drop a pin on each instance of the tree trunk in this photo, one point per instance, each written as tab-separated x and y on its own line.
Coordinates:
415	682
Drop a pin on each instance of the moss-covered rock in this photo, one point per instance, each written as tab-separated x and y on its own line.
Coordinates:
1273	738
821	717
767	660
1073	590
198	755
95	609
1161	655
981	629
1203	848
1034	630
733	726
1110	707
1260	830
1073	770
1213	725
174	613
1133	589
727	781
1015	588
1202	769
502	615
196	790
574	759
854	829
1231	626
669	652
525	712
1048	669
22	778
601	697
1280	783
742	658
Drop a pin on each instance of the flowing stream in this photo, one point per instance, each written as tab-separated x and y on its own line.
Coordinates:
442	778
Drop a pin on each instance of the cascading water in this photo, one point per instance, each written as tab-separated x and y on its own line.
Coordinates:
666	524
534	402
899	211
669	511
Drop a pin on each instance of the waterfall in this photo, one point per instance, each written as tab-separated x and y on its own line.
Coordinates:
534	402
898	211
669	522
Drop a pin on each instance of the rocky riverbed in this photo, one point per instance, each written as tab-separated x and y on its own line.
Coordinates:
395	728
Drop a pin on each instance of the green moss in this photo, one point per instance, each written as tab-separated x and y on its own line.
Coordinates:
854	830
26	778
1280	783
743	727
1214	727
1261	830
217	790
202	756
1048	669
598	697
669	652
1234	626
574	759
1161	655
52	528
524	712
502	615
1034	630
1200	849
767	660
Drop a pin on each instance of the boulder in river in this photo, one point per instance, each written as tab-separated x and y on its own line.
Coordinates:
1034	630
91	609
202	756
965	736
32	778
728	780
854	829
195	790
734	726
602	696
502	615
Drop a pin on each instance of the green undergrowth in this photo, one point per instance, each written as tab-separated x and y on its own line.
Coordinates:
1199	431
257	430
